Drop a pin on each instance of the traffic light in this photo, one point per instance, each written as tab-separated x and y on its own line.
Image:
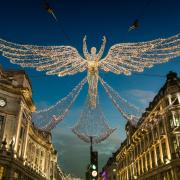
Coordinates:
94	165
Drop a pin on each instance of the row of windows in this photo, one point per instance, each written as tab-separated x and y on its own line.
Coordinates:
147	161
38	158
144	143
16	174
174	120
149	138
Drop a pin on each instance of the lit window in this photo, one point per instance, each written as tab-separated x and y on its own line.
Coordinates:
175	141
174	120
177	120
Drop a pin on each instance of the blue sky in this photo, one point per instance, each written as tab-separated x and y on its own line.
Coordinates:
27	22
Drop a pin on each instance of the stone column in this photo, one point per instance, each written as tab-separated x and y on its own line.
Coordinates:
169	99
146	161
155	155
26	140
161	152
19	120
150	158
167	137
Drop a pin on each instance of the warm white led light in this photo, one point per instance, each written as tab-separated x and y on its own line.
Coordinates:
65	60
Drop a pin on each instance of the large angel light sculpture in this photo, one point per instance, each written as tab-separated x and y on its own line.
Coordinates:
65	60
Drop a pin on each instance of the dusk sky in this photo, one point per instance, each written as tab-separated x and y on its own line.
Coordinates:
27	22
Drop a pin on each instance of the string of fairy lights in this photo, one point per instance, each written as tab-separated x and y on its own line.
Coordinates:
92	123
65	60
48	118
122	58
127	110
128	57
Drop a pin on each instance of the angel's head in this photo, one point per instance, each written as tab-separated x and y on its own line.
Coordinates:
93	50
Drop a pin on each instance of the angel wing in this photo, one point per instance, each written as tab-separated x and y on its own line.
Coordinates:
60	60
128	57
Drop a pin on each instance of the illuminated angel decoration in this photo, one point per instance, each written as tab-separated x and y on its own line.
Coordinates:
65	60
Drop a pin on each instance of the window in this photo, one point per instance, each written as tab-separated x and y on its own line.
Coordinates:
175	146
177	120
150	137
155	133
161	127
1	122
144	163
152	158
158	154
146	141
164	151
148	160
22	133
178	148
174	120
174	100
142	144
139	148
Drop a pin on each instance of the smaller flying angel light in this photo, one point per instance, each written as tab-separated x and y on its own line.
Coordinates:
134	25
50	10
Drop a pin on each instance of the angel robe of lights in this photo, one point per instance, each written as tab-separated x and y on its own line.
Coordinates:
65	60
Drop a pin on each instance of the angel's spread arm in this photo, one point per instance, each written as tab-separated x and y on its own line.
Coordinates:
85	50
101	51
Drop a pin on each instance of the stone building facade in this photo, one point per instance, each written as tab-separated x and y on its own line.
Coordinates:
152	148
26	152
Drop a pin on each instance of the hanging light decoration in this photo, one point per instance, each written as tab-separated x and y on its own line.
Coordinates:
47	119
127	110
92	123
65	60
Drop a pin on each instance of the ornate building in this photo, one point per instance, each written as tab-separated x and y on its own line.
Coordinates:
26	152
152	148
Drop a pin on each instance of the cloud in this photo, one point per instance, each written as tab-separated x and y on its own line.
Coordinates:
42	105
142	96
74	153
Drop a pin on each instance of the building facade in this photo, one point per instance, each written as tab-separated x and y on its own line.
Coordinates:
152	148
26	152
